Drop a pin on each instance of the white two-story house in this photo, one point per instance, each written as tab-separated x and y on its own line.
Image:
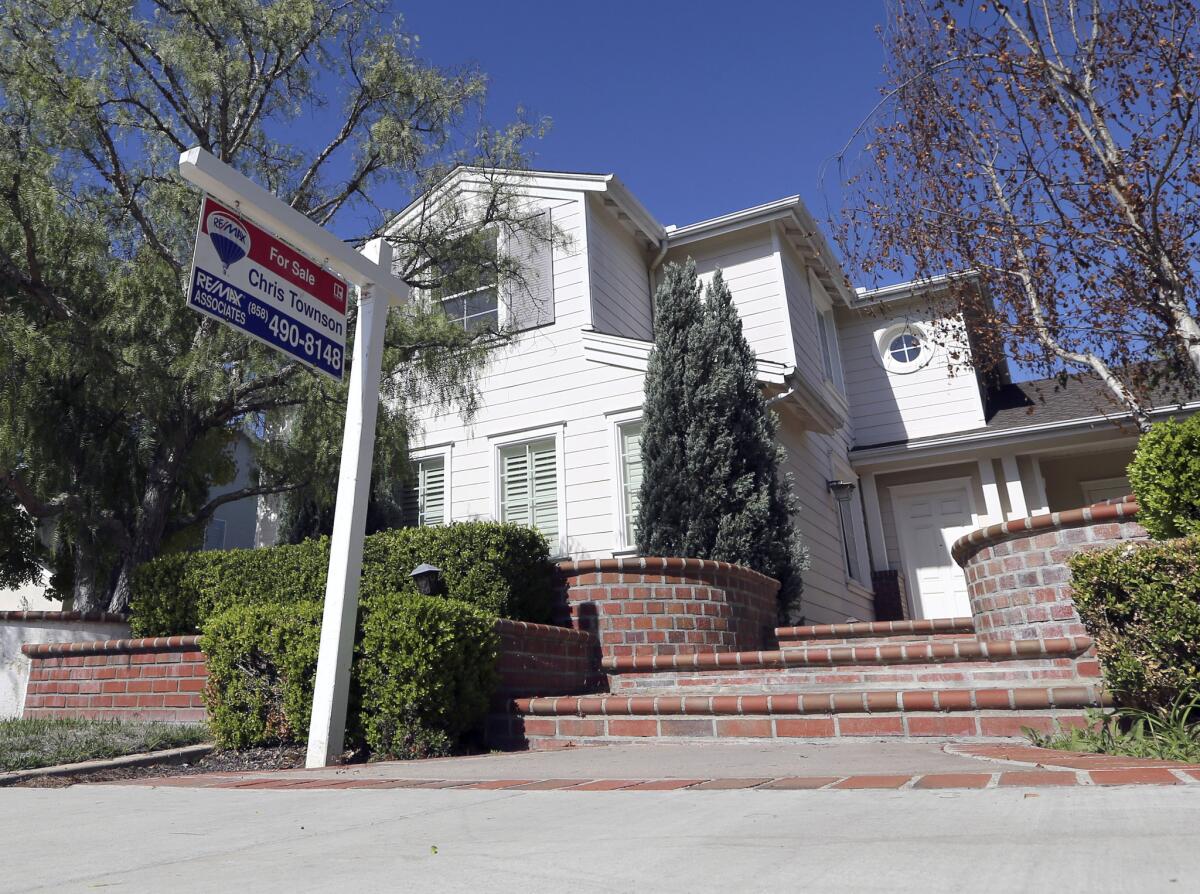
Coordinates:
865	393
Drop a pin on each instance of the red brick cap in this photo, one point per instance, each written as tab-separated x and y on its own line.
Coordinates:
506	625
659	565
969	544
111	646
57	617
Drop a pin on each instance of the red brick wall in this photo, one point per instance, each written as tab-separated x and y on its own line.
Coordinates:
1017	575
132	679
544	660
655	606
163	678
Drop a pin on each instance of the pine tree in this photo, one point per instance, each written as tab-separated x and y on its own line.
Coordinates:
711	484
667	490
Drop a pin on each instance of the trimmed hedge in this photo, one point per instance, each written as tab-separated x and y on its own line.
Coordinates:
262	660
423	673
1141	604
501	568
1165	476
423	665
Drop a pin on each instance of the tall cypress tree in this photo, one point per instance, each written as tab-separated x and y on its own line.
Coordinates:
711	484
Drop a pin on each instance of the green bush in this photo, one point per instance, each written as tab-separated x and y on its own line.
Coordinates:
262	660
1165	475
1141	604
501	568
426	669
423	673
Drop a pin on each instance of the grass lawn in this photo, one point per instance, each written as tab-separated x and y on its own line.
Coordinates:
26	744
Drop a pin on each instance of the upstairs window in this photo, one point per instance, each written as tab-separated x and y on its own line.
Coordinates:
471	298
529	486
904	349
425	498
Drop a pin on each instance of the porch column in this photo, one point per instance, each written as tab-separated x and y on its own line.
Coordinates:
994	509
1012	482
1042	502
874	517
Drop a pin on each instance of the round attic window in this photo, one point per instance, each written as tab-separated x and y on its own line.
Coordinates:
904	349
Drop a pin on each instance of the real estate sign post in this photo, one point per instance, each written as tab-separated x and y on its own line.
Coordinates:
288	298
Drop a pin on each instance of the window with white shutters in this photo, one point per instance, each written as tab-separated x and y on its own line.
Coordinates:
529	486
425	496
630	443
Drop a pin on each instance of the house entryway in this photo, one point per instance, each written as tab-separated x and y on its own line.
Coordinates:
929	518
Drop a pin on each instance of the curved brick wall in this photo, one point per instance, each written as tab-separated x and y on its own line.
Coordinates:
1017	575
655	606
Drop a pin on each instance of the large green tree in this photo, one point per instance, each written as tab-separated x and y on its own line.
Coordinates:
712	486
118	405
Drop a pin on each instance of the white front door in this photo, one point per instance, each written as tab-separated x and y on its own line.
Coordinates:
928	524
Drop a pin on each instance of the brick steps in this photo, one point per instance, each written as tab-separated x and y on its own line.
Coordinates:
919	679
861	632
958	664
977	713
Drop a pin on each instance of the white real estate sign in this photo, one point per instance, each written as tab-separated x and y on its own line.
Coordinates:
250	280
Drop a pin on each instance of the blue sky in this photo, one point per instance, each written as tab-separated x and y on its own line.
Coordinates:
700	108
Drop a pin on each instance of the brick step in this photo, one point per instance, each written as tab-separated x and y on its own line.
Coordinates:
877	640
882	631
949	675
1000	713
955	664
884	654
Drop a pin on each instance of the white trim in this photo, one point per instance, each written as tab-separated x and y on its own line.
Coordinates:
1015	435
1012	485
991	491
844	471
877	542
558	432
616	421
884	356
1039	488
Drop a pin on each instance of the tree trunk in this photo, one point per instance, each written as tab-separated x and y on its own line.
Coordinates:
152	523
86	595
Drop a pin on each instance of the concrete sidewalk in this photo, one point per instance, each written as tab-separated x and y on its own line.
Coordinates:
837	764
128	838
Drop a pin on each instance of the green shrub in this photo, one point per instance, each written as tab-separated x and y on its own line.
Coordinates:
1165	475
262	660
423	673
426	670
501	568
1141	604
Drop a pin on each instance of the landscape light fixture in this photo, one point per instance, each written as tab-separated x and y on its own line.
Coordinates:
841	490
428	579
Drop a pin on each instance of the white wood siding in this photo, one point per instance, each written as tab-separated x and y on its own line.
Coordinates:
543	380
620	277
750	265
829	595
802	316
886	407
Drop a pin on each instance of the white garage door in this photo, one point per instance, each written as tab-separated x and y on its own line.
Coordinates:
928	524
